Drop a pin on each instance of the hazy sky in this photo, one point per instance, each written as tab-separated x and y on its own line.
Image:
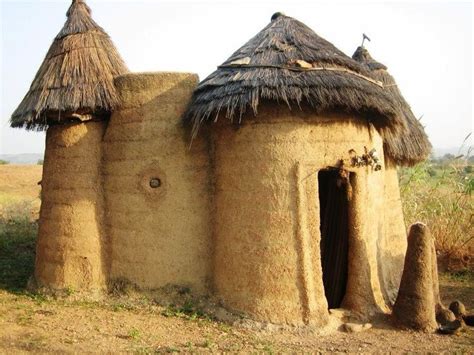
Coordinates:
427	47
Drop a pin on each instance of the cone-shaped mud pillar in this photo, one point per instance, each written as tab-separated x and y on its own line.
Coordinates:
415	305
70	240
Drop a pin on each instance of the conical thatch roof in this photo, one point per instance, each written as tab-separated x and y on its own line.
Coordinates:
289	63
75	80
410	146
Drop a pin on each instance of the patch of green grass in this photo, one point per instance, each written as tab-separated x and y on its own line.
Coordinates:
226	328
187	311
70	291
134	334
38	298
17	246
82	303
268	349
141	350
25	318
117	307
208	343
461	276
167	350
33	343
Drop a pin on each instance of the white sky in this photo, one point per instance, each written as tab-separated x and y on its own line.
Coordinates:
427	47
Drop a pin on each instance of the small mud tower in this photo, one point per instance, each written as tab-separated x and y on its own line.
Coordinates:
298	200
405	148
72	96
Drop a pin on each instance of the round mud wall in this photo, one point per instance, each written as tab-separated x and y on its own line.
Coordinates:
267	260
157	186
71	243
392	244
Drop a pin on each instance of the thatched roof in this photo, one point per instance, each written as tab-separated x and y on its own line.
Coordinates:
75	80
287	62
410	146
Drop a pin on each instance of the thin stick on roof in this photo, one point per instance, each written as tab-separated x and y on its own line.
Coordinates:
411	145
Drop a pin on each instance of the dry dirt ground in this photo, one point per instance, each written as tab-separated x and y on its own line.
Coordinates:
30	322
34	323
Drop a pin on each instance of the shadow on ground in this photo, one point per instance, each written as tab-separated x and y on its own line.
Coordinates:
458	286
17	252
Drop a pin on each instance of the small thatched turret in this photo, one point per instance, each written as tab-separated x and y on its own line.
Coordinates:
289	63
75	81
410	146
72	95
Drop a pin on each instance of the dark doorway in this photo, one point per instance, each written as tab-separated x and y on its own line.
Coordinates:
334	213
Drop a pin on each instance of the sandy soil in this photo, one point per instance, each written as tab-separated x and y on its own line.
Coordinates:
38	324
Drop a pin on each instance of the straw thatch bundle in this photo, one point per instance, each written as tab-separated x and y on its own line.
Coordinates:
289	63
75	80
412	145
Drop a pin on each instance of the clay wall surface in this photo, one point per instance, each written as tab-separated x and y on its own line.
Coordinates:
364	294
392	243
71	239
267	254
159	236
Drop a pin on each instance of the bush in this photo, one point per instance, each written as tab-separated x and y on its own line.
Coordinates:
4	162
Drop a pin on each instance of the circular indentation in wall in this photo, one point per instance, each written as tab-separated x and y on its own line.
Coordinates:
153	182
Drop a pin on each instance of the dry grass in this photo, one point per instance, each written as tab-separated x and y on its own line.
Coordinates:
19	187
441	195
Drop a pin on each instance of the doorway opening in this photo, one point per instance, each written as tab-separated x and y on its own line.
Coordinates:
334	196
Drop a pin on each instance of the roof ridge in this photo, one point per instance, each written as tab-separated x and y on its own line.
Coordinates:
302	69
326	79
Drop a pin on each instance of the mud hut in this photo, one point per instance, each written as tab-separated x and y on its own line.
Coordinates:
72	96
307	212
285	205
407	148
